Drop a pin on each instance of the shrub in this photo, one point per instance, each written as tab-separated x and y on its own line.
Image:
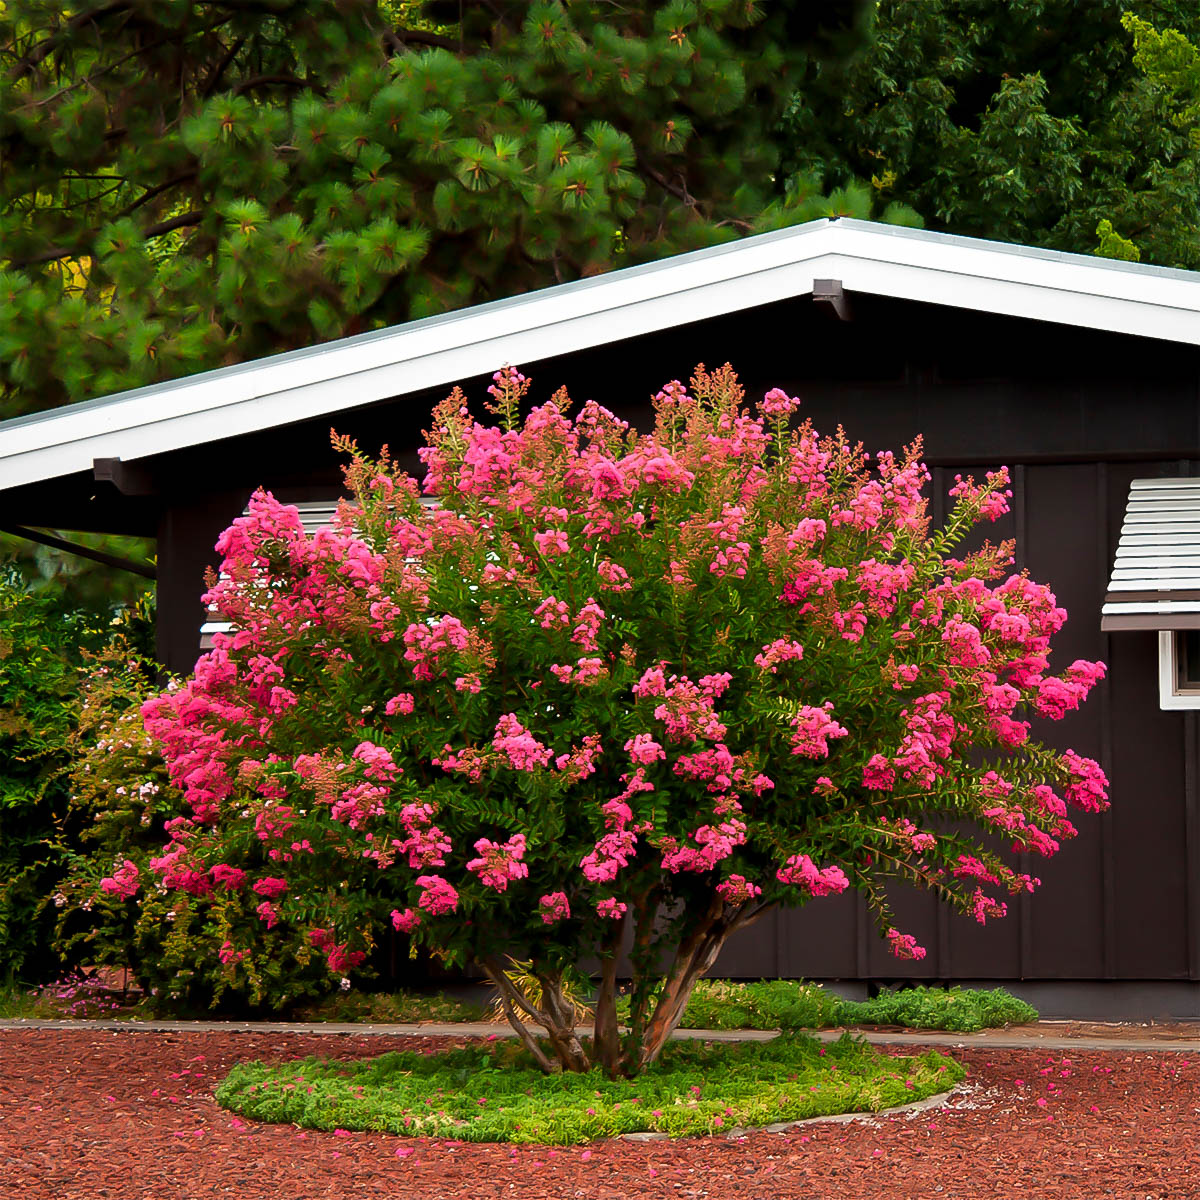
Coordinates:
42	643
664	681
122	803
959	1009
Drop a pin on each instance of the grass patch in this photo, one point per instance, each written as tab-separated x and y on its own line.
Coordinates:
782	1004
496	1094
78	996
19	1002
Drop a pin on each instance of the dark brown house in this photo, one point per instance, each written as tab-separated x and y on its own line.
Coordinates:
1082	375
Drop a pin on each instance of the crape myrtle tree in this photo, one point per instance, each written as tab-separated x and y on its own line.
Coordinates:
186	183
612	684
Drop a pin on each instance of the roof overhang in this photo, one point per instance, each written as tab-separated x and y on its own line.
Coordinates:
865	257
1155	581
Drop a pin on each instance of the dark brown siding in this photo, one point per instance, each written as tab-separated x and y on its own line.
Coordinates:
1075	413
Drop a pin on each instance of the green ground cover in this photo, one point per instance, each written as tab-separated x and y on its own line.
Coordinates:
715	1004
496	1093
782	1004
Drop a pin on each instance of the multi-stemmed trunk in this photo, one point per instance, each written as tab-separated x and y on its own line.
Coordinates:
656	1012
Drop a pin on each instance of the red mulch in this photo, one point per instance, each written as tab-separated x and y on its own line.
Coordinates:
131	1116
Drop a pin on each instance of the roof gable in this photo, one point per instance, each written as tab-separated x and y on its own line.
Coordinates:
877	259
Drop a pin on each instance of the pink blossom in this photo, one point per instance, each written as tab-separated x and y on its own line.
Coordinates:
523	751
612	908
551	613
231	878
406	920
801	870
377	761
1088	786
879	774
554	908
438	896
342	958
552	543
814	728
269	913
402	703
123	882
737	890
270	888
614	576
781	650
904	945
991	500
642	748
499	863
777	403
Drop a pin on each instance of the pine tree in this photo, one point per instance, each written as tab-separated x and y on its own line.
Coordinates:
185	183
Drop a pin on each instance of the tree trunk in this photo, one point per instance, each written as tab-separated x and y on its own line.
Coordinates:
512	1001
560	1025
677	990
606	1039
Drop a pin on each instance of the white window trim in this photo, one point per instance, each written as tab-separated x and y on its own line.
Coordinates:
1169	695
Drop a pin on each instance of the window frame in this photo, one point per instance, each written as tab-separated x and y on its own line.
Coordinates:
1171	697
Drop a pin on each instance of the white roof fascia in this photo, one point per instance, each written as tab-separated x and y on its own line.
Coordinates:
875	259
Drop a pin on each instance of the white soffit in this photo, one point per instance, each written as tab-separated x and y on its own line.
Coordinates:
876	259
1155	580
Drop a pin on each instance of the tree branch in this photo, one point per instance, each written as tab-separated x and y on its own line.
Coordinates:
504	986
157	190
274	80
398	39
151	231
26	64
210	84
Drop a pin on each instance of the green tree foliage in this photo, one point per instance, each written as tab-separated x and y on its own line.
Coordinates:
39	656
80	582
185	183
1030	121
44	641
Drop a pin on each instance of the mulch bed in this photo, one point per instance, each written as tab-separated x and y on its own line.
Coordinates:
131	1116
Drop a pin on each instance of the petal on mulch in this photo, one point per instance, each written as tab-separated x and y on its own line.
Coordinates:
1123	1125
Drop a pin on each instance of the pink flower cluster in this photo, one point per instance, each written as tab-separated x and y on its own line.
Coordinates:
617	846
992	498
438	895
904	945
123	882
430	644
499	863
781	650
522	750
424	844
554	908
405	920
738	890
816	881
686	710
814	728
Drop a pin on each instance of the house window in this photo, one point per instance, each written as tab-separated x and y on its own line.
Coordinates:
1179	668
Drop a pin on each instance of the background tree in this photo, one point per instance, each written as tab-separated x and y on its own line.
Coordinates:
1029	121
45	642
185	183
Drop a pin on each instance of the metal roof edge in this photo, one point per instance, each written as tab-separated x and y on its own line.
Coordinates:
918	265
